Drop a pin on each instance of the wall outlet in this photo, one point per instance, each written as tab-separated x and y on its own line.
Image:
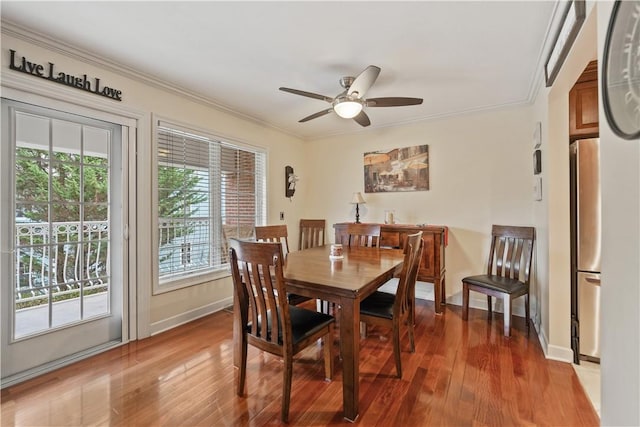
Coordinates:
281	216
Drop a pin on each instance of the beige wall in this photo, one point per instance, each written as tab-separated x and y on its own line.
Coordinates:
551	107
540	282
480	174
620	293
469	157
140	101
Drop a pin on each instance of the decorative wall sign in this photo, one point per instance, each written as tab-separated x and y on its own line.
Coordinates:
49	72
400	169
572	20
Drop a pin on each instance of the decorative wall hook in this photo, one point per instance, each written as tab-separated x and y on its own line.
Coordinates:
290	180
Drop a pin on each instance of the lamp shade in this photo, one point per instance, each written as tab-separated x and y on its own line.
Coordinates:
348	109
357	198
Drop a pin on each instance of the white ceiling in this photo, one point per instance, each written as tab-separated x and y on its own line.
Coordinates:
458	56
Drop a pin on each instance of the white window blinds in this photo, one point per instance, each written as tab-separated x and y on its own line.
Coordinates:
208	191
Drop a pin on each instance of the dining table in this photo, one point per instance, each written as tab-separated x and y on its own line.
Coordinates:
345	281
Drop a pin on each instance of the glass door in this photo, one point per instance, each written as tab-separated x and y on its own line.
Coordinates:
62	238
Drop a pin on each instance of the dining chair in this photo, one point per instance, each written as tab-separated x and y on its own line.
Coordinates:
278	234
267	320
312	233
237	231
361	235
392	310
508	271
357	234
275	234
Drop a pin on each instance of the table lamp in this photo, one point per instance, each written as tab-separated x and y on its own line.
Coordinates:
357	200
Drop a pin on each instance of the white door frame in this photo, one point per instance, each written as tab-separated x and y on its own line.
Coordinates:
135	305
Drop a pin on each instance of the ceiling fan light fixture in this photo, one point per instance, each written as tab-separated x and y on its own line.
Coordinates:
347	109
350	103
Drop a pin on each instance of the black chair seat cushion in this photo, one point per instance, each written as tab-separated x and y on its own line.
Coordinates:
304	323
295	299
497	283
378	304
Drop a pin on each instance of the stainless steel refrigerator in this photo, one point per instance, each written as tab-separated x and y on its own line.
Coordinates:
586	248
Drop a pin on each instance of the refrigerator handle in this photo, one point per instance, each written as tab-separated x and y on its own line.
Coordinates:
593	280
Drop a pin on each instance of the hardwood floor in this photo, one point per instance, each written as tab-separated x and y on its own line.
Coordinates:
462	373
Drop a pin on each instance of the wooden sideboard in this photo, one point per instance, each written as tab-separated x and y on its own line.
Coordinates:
432	267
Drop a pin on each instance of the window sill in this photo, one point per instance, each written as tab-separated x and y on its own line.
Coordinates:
173	284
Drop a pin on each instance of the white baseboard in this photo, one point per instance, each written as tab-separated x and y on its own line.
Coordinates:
561	354
553	352
424	291
188	316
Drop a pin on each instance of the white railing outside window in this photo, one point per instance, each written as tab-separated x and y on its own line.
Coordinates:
208	190
52	262
185	245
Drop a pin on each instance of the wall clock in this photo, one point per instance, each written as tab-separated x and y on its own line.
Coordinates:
621	71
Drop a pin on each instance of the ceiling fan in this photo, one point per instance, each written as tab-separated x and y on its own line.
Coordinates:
350	103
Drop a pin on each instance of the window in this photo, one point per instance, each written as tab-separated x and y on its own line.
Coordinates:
208	191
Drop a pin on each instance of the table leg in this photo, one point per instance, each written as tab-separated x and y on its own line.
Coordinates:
350	341
437	295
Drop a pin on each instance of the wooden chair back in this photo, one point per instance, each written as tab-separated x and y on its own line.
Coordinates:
361	235
511	252
405	293
259	285
236	231
508	272
274	234
264	318
392	311
312	233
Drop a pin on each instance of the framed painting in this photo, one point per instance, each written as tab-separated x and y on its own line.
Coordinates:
400	169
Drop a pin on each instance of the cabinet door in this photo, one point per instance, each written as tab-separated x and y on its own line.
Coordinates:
583	110
390	239
427	268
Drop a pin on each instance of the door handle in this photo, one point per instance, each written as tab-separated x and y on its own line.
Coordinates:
593	280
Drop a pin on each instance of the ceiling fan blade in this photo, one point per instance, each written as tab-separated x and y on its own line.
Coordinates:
363	82
362	119
307	94
393	102
316	115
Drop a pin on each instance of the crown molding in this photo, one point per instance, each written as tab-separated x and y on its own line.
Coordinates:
538	72
46	42
440	116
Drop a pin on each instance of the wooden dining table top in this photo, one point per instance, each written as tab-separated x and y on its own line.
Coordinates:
357	272
347	281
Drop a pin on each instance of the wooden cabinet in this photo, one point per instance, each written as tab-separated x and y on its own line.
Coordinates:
583	105
432	266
